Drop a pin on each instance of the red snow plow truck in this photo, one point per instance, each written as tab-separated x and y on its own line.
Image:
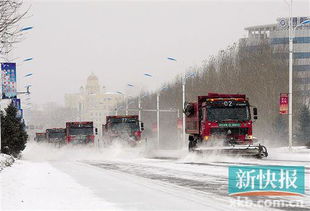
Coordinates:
126	128
40	137
56	135
80	132
222	123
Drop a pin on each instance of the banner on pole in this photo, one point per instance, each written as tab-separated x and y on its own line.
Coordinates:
284	103
8	75
179	123
20	113
16	103
154	127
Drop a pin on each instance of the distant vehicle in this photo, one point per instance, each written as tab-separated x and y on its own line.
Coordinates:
56	135
222	122
126	127
40	137
80	132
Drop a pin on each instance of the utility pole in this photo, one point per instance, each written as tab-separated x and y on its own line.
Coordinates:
0	108
157	99
126	101
139	106
183	101
290	92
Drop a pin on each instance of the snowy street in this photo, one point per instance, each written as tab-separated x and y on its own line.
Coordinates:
126	179
154	105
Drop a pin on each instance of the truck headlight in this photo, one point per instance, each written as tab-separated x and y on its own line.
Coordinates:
248	137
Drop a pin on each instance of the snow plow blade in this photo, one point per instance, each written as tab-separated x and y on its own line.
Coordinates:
259	151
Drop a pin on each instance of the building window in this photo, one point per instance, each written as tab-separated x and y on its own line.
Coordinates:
301	68
285	40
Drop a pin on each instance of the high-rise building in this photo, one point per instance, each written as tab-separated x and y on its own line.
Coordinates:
93	103
277	35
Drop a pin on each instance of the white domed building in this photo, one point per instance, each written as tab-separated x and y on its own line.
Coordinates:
92	102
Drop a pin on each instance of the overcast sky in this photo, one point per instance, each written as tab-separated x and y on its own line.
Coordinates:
119	41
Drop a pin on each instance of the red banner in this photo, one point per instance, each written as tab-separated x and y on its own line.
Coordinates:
284	103
180	123
154	127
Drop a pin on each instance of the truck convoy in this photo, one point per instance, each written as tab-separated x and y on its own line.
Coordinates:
56	135
80	132
222	123
126	127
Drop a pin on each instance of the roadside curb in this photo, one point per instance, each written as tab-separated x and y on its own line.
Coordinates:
5	161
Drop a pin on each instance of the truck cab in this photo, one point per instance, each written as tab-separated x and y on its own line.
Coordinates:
40	137
56	135
125	127
220	119
80	132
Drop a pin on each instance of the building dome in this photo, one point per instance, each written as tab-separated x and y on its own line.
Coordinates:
92	77
81	89
92	86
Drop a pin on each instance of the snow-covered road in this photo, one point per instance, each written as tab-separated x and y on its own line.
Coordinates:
125	179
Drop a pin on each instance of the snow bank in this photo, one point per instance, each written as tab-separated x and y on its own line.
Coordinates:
5	161
40	186
301	153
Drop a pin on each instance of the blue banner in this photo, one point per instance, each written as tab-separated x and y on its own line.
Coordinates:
266	180
8	74
19	113
16	103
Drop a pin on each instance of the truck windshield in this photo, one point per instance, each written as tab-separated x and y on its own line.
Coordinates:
40	137
56	135
228	113
81	131
132	126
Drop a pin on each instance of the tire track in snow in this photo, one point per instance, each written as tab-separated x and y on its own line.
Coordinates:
203	182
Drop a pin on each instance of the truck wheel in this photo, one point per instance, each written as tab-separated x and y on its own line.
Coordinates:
192	145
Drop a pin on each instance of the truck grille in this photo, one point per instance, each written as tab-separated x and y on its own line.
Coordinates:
224	131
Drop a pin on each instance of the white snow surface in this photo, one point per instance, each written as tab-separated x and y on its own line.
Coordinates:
124	178
40	186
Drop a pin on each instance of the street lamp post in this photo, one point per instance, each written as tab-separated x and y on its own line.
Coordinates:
26	28
158	113
290	95
29	74
116	110
183	104
139	100
157	108
130	85
183	101
127	106
139	106
290	89
126	101
139	103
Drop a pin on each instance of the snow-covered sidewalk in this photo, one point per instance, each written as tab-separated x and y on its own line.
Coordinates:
40	186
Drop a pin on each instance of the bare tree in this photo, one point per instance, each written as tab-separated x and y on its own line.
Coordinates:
10	16
260	73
